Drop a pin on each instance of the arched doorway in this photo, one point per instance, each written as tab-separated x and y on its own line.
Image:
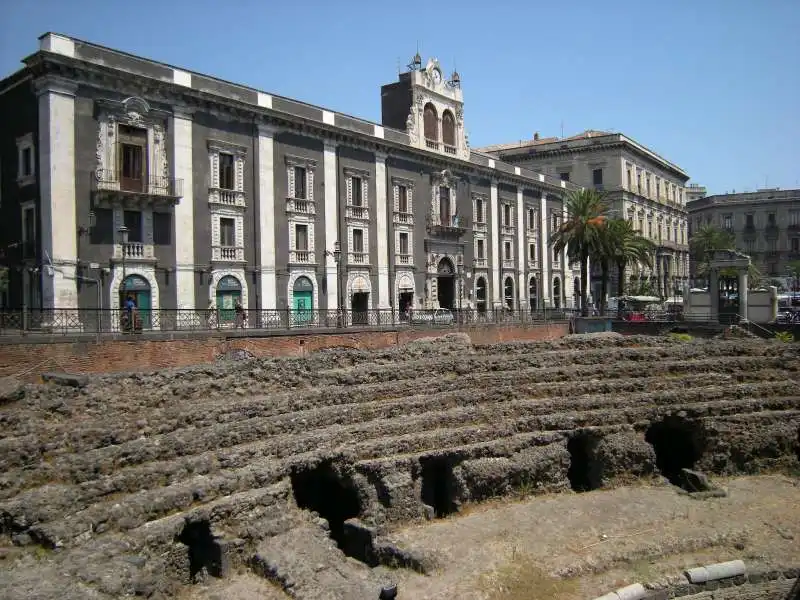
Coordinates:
229	292
446	284
136	290
480	295
557	292
533	294
508	292
359	299
302	300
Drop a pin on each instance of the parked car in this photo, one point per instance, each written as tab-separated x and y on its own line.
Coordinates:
438	316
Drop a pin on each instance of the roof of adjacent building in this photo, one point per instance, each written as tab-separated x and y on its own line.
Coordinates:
59	45
765	196
555	143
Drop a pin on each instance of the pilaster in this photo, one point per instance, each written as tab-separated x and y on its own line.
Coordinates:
494	209
266	216
57	184
544	241
383	232
331	222
184	210
522	288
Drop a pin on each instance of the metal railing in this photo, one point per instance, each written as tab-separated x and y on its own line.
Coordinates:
121	321
113	180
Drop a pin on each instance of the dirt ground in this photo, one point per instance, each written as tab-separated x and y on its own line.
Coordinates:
596	541
602	540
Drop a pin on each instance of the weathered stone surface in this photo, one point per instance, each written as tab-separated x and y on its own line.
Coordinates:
103	474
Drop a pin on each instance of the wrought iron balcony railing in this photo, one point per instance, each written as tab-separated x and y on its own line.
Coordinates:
115	182
450	224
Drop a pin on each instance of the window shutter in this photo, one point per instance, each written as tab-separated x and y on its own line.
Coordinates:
349	191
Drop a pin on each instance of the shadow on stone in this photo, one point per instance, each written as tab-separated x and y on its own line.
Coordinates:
583	474
204	552
678	444
439	486
334	497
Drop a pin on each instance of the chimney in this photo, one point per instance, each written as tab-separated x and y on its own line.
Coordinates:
536	137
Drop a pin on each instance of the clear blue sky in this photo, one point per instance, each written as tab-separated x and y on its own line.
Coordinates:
712	85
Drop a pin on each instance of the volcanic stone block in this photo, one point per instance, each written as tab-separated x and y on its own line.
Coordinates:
542	468
485	477
620	453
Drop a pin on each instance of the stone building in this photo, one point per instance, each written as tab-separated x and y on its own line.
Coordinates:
765	223
125	176
645	188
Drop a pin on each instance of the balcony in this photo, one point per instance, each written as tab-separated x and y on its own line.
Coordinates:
403	218
111	188
749	229
359	213
404	260
507	229
794	227
301	257
480	263
227	254
508	263
447	224
358	258
449	149
134	252
300	206
431	144
226	197
480	226
771	230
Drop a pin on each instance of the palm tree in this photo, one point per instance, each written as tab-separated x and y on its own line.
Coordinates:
579	234
621	245
704	242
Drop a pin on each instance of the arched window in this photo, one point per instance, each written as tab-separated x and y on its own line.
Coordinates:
431	121
448	129
228	292
508	292
556	292
533	294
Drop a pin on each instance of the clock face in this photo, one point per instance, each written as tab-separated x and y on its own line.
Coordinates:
436	76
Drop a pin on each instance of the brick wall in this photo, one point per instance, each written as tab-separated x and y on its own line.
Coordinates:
25	359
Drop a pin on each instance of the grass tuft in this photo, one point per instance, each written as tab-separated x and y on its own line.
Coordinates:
523	579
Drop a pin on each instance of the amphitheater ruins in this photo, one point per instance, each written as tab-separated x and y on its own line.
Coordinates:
351	475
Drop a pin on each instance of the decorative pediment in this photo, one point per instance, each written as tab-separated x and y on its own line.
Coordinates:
227	148
301	161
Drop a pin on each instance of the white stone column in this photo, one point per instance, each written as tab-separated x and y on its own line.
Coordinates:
544	253
57	190
266	216
521	254
567	281
383	231
184	210
497	294
743	295
331	222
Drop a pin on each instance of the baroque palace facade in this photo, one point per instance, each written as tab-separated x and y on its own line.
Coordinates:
124	176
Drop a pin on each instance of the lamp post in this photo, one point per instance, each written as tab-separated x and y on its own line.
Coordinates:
460	273
123	236
337	258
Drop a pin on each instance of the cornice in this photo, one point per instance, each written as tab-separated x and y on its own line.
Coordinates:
190	100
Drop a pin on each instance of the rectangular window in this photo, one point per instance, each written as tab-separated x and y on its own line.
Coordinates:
132	157
162	229
403	243
630	179
402	199
358	240
479	210
507	215
658	188
555	221
795	245
771	219
597	177
675	233
227	232
355	183
444	205
750	245
300	237
749	221
27	161
29	226
532	220
638	181
794	217
226	172
532	252
727	222
647	183
300	183
650	229
481	249
507	250
132	162
103	230
133	221
564	176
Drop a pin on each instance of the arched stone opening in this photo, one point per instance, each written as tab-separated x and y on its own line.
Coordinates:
446	283
533	294
135	297
556	292
508	292
431	123
228	293
480	295
583	473
448	129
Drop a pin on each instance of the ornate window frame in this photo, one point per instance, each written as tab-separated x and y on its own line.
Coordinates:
443	179
353	211
407	217
216	195
310	166
25	142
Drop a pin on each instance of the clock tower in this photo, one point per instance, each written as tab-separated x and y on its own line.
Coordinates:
429	107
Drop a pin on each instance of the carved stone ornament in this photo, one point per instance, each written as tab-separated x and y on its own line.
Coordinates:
411	129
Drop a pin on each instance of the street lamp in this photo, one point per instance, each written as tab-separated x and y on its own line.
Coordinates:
337	258
123	236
